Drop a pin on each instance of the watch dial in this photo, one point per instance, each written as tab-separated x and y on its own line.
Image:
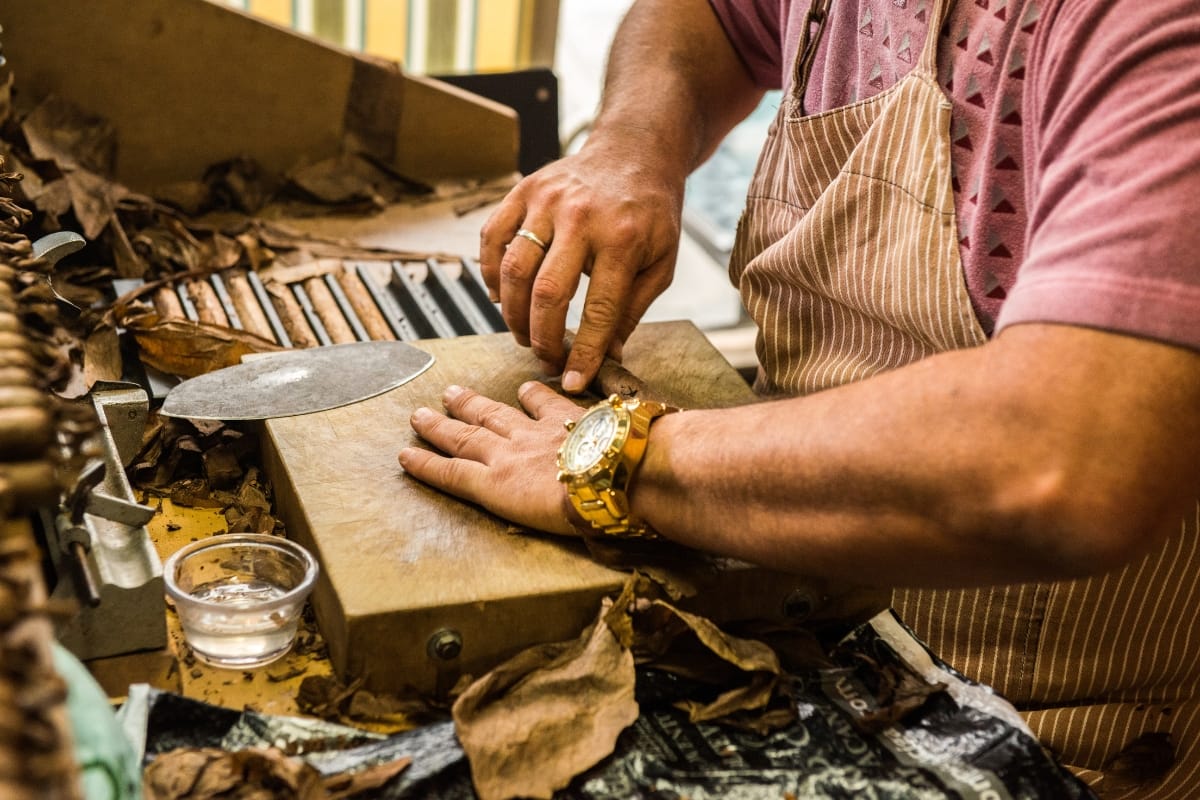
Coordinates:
588	440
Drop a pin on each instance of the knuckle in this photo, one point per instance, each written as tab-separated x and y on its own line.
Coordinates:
511	269
544	348
601	311
487	235
454	473
625	231
658	281
464	438
491	417
575	211
548	293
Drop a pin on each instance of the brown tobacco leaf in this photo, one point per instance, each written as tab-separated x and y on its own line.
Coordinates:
52	198
199	774
686	644
93	199
254	774
533	723
59	131
900	691
326	697
102	356
1141	764
280	237
187	349
538	720
342	180
239	184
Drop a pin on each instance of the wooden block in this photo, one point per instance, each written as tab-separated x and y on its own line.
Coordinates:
402	562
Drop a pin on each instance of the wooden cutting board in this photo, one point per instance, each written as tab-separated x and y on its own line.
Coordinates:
406	567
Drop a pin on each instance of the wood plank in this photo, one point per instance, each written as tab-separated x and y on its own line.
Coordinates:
190	83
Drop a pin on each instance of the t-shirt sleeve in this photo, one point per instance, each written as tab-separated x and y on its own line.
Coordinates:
1112	131
753	28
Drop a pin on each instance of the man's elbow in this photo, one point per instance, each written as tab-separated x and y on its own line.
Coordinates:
1076	530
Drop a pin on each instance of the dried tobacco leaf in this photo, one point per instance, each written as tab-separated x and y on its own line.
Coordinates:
240	184
93	199
538	720
59	131
129	262
898	692
323	695
204	773
278	236
342	180
102	356
747	685
1141	764
221	466
52	199
187	349
327	697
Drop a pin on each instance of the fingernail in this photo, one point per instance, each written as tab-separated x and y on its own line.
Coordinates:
451	392
422	414
494	297
573	382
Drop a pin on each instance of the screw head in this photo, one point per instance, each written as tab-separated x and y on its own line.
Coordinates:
798	605
445	645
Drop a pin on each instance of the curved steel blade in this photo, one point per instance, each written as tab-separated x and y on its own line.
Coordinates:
292	382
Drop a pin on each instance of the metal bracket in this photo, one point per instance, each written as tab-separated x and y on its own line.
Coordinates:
100	546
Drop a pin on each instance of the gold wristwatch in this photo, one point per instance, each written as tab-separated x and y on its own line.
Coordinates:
599	457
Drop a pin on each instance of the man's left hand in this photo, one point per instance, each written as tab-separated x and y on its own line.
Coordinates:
495	455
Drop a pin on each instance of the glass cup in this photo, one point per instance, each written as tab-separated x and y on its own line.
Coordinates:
239	596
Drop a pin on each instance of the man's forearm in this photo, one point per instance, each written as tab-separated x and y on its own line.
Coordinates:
674	85
1005	463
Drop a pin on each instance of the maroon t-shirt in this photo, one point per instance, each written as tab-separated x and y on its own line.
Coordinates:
1076	142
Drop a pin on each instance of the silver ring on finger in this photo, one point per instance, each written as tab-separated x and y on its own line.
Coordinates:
525	233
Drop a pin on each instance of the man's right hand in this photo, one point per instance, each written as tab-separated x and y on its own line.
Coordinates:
609	212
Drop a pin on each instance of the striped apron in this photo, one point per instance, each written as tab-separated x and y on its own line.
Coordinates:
847	259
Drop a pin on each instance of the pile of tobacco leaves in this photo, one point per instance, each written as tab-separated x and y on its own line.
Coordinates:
60	163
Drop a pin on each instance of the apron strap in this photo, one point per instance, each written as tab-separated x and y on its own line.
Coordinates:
937	18
817	15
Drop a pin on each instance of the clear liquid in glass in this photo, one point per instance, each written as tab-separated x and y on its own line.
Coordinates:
240	633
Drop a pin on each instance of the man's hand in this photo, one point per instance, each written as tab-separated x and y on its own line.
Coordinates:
495	455
612	211
606	212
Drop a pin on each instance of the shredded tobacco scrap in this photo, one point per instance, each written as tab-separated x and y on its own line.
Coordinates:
326	697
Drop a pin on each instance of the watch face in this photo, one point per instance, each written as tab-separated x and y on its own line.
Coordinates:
587	441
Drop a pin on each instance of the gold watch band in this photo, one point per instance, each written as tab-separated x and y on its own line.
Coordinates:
603	512
600	502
